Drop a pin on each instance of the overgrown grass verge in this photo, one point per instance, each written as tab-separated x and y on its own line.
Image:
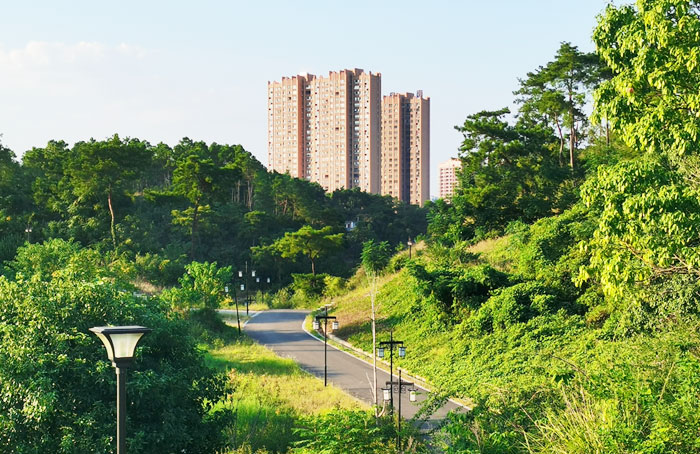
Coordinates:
268	396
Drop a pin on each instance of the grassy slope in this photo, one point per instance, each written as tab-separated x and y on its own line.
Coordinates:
268	395
525	357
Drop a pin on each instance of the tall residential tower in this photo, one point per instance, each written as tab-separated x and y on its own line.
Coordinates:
327	129
338	131
405	162
448	177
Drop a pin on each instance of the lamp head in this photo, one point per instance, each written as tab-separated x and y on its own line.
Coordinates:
387	394
120	342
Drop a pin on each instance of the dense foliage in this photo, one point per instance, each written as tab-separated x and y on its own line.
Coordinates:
563	304
56	385
558	295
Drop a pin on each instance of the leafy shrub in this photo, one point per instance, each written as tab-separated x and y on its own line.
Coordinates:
158	269
309	285
202	286
344	432
458	291
57	386
516	304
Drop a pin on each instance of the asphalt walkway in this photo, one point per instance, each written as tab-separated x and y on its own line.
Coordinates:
282	331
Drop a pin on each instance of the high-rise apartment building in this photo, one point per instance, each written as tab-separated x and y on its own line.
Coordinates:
405	159
448	177
327	129
338	131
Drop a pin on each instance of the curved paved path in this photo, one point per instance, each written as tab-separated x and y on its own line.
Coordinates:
281	330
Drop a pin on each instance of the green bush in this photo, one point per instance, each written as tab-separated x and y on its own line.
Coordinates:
57	386
344	432
202	286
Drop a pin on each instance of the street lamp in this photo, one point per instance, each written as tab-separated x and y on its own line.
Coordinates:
388	395
410	246
120	342
235	300
316	325
390	344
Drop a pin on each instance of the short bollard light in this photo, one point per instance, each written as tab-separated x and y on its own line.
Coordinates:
252	273
380	352
242	287
120	342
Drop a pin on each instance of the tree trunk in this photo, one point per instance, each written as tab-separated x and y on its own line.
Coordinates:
250	194
313	267
194	229
561	141
111	212
572	135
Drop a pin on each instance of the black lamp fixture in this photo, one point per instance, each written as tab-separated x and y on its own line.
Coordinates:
316	326
391	344
120	342
400	387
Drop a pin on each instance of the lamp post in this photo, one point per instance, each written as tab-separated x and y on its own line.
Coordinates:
400	389
120	342
235	300
410	246
391	343
244	285
316	325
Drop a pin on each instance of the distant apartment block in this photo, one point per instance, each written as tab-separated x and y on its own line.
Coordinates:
448	177
338	131
327	129
405	161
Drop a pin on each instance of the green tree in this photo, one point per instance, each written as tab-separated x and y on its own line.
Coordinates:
557	93
648	227
508	172
309	242
202	287
57	386
196	179
105	168
653	51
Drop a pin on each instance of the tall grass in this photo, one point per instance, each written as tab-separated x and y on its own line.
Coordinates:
267	395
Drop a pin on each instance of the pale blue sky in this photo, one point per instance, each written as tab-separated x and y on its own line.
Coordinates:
161	70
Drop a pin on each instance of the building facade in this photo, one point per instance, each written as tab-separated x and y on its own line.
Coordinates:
327	129
448	177
338	131
405	157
